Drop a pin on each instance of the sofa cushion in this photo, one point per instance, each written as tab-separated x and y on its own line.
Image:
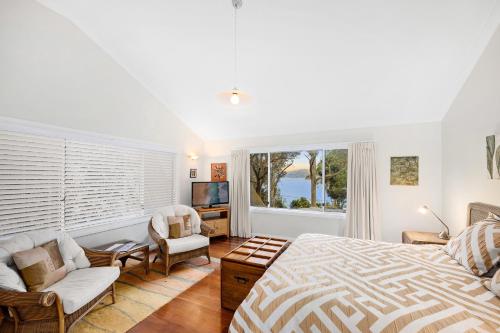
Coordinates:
73	255
41	266
188	243
82	285
40	237
159	225
10	279
180	210
12	245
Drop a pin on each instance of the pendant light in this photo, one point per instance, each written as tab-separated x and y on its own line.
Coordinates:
235	97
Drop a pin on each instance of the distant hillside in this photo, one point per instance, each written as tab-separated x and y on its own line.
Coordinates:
301	173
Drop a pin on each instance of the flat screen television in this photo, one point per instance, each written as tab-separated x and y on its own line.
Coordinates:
209	193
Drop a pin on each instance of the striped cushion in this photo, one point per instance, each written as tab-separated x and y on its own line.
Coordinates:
494	284
477	248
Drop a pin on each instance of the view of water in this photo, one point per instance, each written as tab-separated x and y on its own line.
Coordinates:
294	188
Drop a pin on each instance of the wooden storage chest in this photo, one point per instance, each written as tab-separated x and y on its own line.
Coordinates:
243	266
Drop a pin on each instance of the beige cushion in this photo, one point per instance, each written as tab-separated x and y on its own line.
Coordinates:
493	284
82	285
41	266
477	248
10	279
179	226
189	243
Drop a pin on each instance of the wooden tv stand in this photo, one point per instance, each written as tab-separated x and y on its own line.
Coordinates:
217	218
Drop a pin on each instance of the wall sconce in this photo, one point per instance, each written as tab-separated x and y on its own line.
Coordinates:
193	156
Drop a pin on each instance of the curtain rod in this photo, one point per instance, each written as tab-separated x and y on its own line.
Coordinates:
300	147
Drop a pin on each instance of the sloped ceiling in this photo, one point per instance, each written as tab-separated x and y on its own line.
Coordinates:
309	65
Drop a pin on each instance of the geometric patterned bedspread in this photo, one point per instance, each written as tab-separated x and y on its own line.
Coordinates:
323	283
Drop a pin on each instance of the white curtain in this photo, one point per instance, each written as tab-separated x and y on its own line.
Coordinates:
362	198
240	194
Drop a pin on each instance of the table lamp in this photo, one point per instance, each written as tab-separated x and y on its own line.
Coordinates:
445	234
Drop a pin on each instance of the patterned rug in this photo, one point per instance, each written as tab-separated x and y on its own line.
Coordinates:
139	295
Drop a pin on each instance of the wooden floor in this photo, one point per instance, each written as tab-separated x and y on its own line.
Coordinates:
198	308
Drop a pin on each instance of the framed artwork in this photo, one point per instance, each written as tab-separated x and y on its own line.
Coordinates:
218	172
493	156
193	173
404	170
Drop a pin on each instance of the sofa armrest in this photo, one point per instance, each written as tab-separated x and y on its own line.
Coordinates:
206	230
100	258
24	299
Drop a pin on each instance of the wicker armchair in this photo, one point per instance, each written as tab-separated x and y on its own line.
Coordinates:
169	258
42	312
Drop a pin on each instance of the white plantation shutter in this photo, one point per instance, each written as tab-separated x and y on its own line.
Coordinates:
159	179
31	182
103	184
75	184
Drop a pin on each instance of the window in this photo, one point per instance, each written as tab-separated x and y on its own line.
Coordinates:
336	180
313	180
31	182
72	185
259	185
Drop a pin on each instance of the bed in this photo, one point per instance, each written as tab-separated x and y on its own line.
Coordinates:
323	283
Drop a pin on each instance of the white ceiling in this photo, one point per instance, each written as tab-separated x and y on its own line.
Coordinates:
309	65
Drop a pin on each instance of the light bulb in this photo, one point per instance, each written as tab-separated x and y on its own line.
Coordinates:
235	98
423	209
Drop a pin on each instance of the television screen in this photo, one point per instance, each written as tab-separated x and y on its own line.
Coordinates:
210	193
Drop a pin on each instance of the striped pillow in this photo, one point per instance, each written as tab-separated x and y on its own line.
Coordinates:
477	248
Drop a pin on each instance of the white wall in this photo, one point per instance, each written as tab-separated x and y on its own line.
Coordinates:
398	203
475	114
52	73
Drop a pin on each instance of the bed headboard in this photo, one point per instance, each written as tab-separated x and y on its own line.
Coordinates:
477	211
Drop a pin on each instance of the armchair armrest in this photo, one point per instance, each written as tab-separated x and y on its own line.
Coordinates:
100	258
206	230
18	299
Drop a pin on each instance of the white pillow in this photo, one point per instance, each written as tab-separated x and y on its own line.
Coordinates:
40	237
159	225
10	279
12	245
73	255
493	284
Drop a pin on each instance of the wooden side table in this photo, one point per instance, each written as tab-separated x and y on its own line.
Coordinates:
420	237
130	254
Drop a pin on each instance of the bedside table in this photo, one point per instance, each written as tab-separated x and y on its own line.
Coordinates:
420	237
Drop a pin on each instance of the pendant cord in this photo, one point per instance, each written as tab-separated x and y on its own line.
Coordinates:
235	49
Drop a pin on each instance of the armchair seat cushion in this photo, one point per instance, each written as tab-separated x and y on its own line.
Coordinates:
80	286
188	243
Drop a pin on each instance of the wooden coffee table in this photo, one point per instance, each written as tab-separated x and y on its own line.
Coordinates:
243	266
130	254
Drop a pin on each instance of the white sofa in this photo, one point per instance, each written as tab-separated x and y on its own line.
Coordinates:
90	277
172	251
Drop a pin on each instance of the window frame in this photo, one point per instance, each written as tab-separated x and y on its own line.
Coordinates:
277	149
